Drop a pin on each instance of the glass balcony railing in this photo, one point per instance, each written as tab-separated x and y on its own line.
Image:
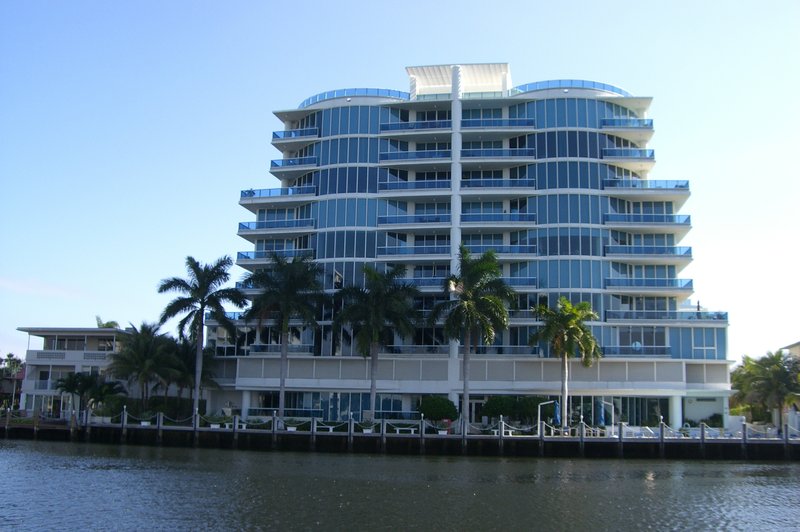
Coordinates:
514	249
680	219
644	123
498	217
625	282
498	152
290	163
276	224
628	153
295	133
669	251
276	348
520	281
646	184
442	184
414	155
414	250
414	219
415	126
498	183
569	84
498	122
344	93
636	350
279	192
665	315
261	255
427	281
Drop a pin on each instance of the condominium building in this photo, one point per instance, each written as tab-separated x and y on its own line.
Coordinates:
55	353
551	175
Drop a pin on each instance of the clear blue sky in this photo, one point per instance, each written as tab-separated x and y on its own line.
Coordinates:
127	130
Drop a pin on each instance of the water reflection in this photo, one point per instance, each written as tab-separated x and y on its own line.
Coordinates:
49	485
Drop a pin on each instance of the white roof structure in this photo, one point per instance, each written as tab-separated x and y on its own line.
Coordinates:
478	77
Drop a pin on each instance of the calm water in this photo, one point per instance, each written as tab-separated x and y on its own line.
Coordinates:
47	486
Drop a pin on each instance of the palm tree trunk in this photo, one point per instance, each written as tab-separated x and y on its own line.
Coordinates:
465	371
198	363
284	366
564	391
14	391
373	376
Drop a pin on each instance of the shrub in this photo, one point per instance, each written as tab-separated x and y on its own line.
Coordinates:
437	407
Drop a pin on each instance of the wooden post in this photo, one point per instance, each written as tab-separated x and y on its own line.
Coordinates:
421	433
124	423
541	437
36	421
501	434
383	435
274	430
73	422
620	453
581	436
350	427
313	434
160	427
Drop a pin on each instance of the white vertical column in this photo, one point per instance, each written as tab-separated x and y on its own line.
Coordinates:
455	197
675	411
245	403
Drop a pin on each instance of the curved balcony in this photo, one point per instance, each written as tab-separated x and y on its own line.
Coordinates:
650	286
648	190
502	156
678	224
637	130
639	160
273	228
487	129
658	315
419	190
679	255
248	258
294	167
421	159
350	93
499	220
637	350
521	282
411	221
503	250
294	139
498	187
255	199
416	131
414	253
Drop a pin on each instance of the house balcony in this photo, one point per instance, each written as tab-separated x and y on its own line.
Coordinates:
418	159
498	187
648	190
427	284
275	228
677	255
637	350
498	220
636	130
47	356
488	129
678	224
252	258
420	131
497	157
410	254
505	252
640	160
521	283
294	139
650	286
418	222
292	168
254	200
418	190
659	315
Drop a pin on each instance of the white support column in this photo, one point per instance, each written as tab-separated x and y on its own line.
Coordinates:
675	411
454	376
245	403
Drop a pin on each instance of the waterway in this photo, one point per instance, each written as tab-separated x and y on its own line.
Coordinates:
65	486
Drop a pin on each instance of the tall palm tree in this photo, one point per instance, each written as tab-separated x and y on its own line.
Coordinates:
78	386
200	291
13	365
565	330
106	324
770	381
287	290
384	306
477	309
143	360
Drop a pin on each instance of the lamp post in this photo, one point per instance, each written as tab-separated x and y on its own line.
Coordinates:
539	415
612	416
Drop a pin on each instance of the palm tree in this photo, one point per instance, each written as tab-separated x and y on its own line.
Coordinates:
106	324
476	309
769	382
13	365
200	292
375	312
144	359
565	330
77	385
100	393
287	290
